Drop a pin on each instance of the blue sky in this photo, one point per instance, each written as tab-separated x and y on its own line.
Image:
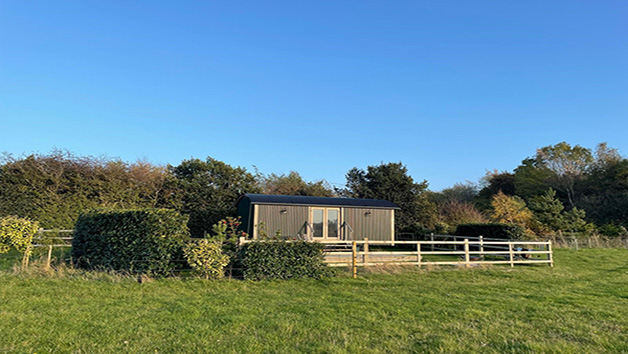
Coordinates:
449	88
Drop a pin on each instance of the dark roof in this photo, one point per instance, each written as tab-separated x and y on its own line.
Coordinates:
304	200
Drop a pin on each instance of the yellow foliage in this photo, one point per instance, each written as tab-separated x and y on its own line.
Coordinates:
510	210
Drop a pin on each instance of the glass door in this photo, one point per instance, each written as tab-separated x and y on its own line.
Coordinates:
318	226
325	223
333	223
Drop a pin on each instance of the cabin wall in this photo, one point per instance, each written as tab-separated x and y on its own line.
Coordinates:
376	224
245	213
291	222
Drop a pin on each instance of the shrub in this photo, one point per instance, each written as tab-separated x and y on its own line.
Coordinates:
492	230
16	233
283	260
206	258
138	241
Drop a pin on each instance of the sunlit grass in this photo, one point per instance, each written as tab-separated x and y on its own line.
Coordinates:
579	306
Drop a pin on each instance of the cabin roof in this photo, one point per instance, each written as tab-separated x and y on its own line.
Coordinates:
305	200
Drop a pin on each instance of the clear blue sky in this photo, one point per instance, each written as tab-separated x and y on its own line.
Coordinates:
449	88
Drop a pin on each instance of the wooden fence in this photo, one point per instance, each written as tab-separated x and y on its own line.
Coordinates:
465	252
47	238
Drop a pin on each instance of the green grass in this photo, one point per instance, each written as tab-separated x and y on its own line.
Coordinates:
579	306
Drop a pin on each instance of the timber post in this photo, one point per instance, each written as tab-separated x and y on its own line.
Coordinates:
354	255
482	246
49	258
365	259
549	254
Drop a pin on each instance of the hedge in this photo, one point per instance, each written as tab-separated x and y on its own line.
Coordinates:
283	260
491	230
137	241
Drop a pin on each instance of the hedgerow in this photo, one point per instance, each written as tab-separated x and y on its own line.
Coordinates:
283	260
138	241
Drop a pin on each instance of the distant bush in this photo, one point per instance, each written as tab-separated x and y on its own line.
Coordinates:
283	260
492	230
138	241
206	258
613	230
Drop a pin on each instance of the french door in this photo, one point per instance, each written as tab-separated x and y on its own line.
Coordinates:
325	223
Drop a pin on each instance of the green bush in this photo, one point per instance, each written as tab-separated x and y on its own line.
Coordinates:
492	230
138	241
17	233
283	260
206	258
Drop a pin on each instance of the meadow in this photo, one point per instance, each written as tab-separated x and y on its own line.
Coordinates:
579	306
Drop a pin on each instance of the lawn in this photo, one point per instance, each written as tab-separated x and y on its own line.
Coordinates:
579	306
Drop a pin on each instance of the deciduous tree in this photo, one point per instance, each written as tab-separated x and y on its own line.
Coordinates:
209	190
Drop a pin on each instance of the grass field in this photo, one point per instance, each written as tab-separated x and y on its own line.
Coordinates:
579	306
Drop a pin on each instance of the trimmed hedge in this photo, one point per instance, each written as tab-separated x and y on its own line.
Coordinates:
283	260
491	230
138	241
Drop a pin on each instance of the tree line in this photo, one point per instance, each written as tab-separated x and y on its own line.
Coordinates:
561	187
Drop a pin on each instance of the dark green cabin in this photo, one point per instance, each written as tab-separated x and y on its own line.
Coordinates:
317	218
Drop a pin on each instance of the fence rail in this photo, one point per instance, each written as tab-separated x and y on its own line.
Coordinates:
468	253
502	252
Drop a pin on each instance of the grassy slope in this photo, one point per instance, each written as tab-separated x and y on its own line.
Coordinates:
579	306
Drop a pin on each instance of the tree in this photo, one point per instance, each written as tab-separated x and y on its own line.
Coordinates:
454	213
548	210
493	183
568	164
604	191
293	184
55	188
531	179
459	192
209	190
510	210
391	182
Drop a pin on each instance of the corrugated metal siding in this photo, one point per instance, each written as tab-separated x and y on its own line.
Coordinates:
245	218
291	223
377	226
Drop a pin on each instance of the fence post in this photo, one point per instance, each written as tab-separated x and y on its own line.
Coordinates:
512	264
575	240
366	251
353	259
550	256
49	257
466	252
432	239
482	247
26	257
418	254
